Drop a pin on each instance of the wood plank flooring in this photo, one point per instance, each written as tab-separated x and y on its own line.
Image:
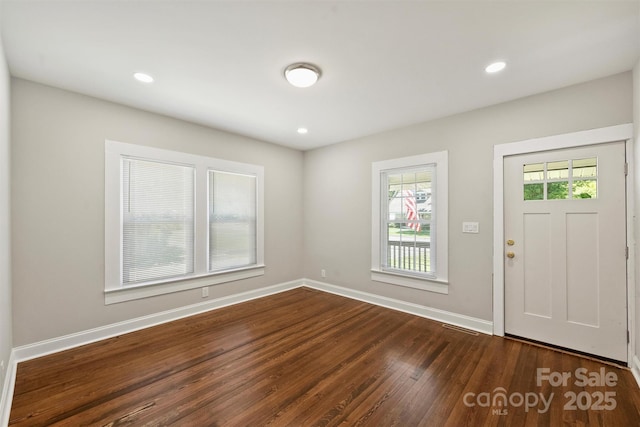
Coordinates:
308	358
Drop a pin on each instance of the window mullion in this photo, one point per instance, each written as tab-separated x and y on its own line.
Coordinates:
570	180
201	221
384	224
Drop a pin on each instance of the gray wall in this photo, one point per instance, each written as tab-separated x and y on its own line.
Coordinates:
6	342
57	179
57	206
337	191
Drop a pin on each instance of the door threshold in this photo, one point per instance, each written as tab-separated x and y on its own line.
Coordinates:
592	357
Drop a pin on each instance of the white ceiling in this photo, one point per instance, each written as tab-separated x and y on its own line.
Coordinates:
386	64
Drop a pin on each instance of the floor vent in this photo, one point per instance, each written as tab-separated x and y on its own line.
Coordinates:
459	329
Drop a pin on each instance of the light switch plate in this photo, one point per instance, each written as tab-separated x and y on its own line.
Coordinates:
470	227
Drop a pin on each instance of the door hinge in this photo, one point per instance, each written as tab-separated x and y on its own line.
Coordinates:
626	252
628	339
626	169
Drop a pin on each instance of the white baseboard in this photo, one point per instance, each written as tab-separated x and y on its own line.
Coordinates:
54	345
467	322
7	390
635	369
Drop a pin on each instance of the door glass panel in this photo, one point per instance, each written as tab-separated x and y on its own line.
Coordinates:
534	172
565	179
585	189
557	190
585	168
558	170
534	191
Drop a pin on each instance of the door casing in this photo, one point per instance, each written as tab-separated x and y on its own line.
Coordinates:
568	140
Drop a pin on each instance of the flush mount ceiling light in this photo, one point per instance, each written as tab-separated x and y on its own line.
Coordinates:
303	131
142	77
495	67
302	74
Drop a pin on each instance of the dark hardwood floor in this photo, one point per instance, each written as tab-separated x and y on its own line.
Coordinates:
308	358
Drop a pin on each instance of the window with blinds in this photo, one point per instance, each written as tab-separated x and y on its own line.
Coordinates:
179	221
157	220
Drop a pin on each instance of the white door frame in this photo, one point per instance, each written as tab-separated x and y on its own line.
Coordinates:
568	140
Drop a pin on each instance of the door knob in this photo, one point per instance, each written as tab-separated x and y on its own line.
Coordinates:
510	255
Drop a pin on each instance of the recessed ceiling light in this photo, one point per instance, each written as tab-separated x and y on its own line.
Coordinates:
303	131
495	67
302	74
144	78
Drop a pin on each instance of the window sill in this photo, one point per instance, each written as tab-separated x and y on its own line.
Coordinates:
114	296
425	284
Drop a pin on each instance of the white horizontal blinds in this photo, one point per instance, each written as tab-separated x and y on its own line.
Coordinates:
232	220
157	220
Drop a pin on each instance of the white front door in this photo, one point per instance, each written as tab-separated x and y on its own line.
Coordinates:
565	249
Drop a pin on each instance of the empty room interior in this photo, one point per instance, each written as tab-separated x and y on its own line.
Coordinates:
305	213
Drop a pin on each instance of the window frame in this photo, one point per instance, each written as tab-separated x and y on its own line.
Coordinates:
114	289
437	282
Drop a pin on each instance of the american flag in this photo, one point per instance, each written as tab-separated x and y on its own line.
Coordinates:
412	209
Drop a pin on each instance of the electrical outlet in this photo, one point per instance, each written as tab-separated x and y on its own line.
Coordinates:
323	273
205	292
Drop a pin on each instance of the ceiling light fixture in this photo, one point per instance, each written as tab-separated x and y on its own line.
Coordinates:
495	67
303	131
302	74
144	78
